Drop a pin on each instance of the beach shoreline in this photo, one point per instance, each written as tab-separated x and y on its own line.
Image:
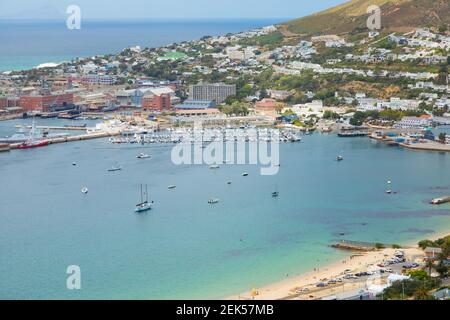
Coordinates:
355	261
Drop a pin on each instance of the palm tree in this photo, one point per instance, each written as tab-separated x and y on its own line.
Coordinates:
430	265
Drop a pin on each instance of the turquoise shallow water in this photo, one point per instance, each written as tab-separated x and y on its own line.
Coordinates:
185	248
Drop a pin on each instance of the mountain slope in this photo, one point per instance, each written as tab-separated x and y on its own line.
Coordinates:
398	15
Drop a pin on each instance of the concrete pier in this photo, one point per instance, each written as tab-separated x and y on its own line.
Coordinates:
440	200
4	147
61	128
88	136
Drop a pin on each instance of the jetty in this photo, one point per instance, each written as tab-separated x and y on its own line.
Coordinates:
83	137
60	128
359	245
353	134
4	147
442	200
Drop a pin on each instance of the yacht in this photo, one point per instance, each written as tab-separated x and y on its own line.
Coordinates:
143	205
213	201
143	156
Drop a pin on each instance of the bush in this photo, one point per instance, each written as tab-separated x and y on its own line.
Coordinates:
379	246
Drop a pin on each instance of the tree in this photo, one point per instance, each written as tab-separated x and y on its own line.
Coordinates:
443	28
422	293
429	265
442	137
263	94
279	107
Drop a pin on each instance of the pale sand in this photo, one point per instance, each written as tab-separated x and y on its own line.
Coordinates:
357	262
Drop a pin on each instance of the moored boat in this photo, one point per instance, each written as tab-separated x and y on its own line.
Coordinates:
213	201
143	156
33	144
143	206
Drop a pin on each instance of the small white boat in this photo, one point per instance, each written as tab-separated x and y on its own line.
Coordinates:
84	190
74	163
172	187
143	156
114	169
213	201
229	182
389	191
214	166
339	158
245	174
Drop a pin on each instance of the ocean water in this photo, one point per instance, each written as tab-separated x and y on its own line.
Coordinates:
26	44
185	248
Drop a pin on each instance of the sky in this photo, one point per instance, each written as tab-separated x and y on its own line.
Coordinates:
164	9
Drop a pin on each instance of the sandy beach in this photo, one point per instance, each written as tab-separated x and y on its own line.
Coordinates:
356	262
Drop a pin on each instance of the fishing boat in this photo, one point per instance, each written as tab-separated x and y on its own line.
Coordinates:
213	201
143	206
33	144
143	156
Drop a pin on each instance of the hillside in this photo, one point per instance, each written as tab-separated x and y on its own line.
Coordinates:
396	15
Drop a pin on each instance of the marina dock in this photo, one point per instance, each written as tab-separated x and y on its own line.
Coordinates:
61	128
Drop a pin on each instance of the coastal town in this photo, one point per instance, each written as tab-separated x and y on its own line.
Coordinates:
383	88
389	86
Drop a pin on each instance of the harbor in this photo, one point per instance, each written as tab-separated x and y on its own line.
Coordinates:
289	234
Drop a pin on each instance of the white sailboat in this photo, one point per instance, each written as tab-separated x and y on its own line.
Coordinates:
143	205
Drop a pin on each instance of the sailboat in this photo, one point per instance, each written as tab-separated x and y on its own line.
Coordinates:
143	205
